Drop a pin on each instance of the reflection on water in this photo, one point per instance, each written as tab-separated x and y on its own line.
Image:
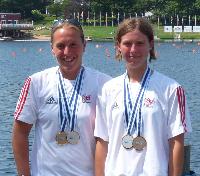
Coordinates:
20	59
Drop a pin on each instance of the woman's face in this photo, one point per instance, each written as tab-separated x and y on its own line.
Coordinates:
68	48
135	47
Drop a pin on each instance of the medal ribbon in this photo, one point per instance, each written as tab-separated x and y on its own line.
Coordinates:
141	100
130	110
68	106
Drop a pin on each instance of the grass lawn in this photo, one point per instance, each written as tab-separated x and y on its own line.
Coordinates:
104	33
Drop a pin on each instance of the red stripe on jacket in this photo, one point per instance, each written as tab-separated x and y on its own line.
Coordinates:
22	98
181	104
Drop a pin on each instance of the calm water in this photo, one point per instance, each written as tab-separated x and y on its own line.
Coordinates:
20	59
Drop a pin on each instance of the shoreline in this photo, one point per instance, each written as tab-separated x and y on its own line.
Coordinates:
41	37
48	38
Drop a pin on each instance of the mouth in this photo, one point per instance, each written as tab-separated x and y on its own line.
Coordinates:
132	58
69	59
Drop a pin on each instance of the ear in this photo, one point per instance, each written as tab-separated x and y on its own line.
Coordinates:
117	47
52	51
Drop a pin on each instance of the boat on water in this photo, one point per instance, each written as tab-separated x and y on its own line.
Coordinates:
88	38
6	39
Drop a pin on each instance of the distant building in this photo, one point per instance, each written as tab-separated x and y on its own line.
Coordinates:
10	18
12	26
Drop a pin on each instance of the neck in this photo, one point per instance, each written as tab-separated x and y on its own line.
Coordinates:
70	74
136	75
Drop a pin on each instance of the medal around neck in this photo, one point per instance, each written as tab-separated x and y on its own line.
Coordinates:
61	138
139	143
73	137
68	108
127	141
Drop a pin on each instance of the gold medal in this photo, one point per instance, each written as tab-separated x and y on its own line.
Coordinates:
61	138
73	137
139	143
127	141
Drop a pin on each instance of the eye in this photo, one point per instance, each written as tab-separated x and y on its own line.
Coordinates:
73	45
127	43
139	43
60	46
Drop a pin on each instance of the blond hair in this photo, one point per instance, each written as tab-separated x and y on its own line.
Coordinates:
67	24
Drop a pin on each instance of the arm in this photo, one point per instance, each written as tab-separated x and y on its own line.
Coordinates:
176	155
100	156
20	144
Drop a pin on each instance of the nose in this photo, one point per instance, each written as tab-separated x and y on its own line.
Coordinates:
132	47
66	50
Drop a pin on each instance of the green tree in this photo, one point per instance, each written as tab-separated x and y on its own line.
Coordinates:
68	7
37	15
55	9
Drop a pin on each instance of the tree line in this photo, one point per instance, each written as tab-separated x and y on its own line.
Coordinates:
183	8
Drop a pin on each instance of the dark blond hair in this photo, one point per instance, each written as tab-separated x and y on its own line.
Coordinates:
71	23
129	25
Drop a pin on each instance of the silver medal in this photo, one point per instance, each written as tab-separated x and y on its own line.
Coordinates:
73	137
127	141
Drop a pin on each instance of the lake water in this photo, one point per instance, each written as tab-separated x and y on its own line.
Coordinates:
179	60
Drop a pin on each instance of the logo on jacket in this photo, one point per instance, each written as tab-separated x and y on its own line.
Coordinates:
51	100
86	98
149	102
115	105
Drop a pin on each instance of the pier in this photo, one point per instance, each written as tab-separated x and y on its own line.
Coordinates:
12	26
